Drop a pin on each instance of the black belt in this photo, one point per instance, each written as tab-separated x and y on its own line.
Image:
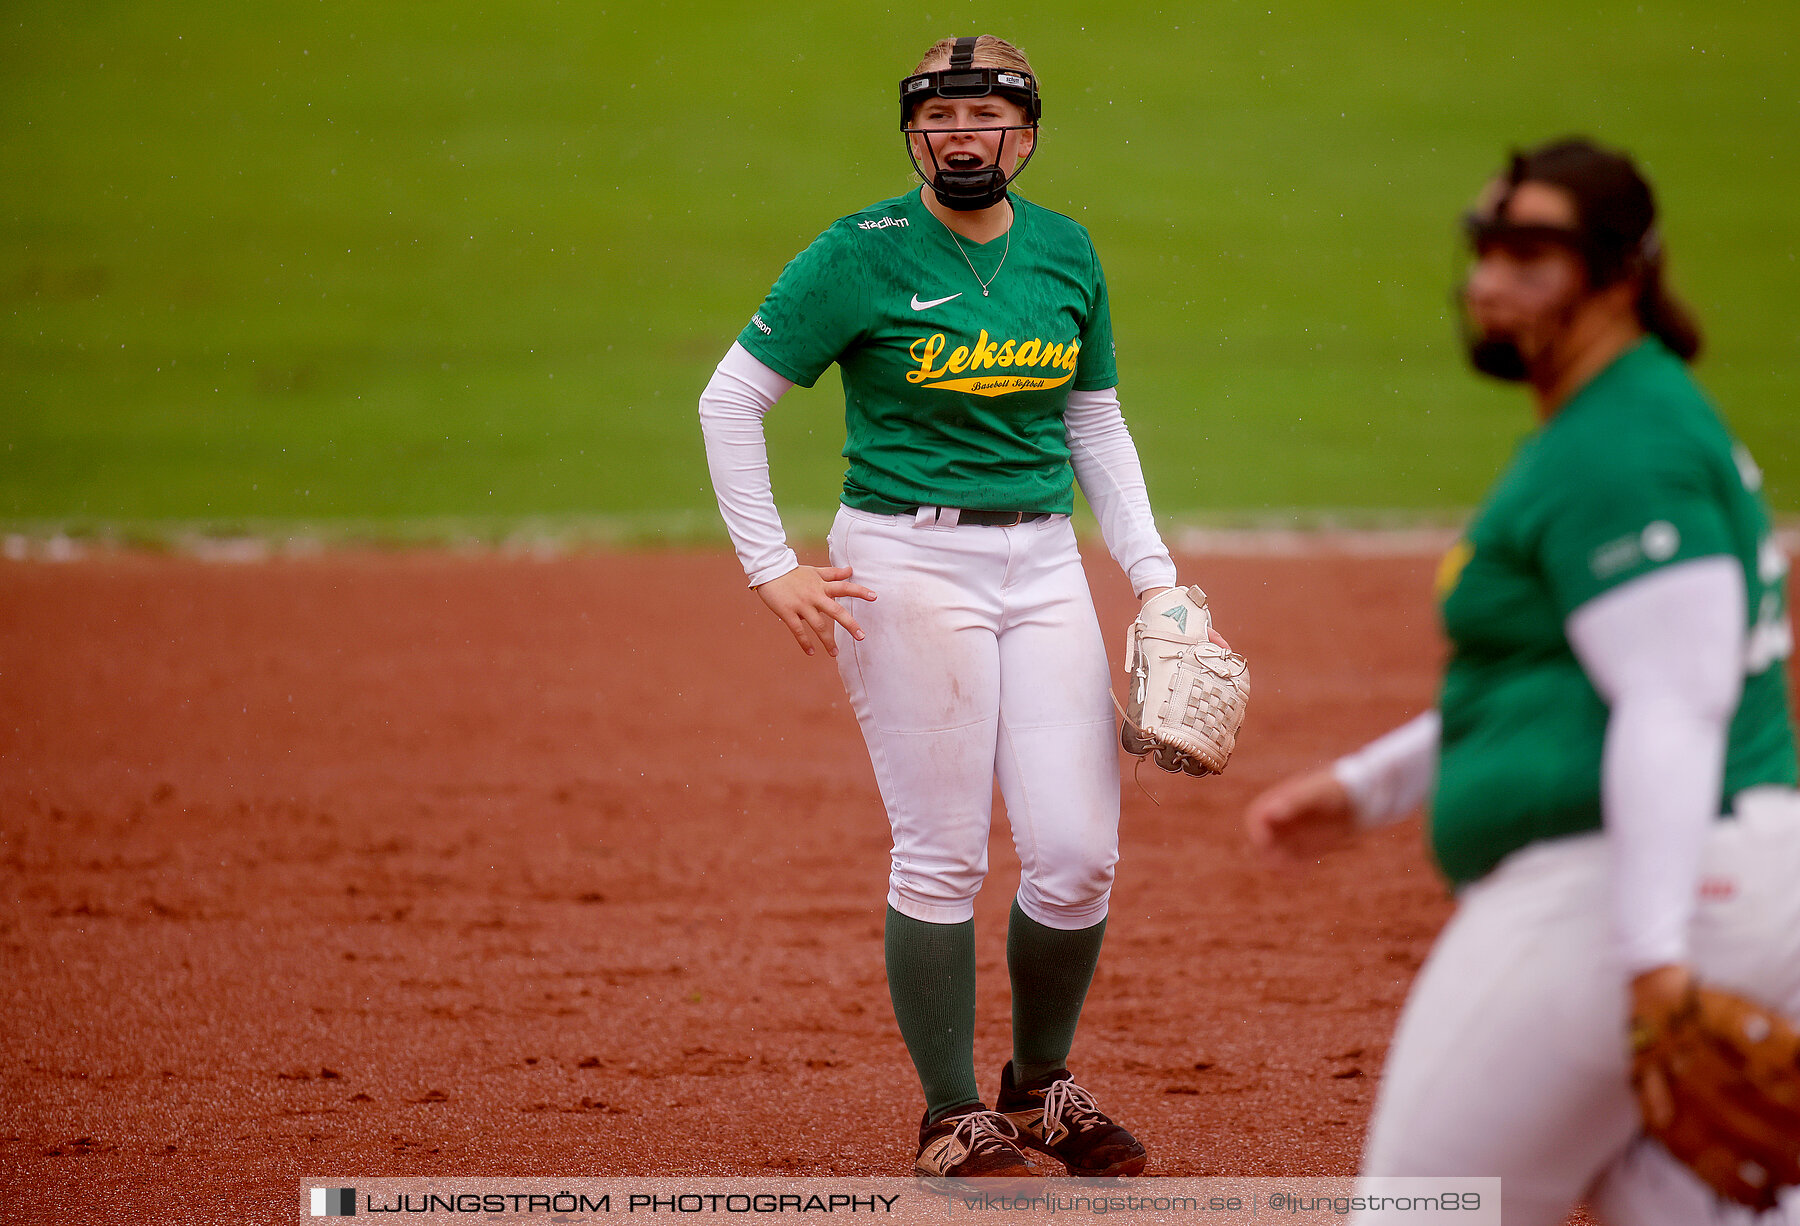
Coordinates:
992	519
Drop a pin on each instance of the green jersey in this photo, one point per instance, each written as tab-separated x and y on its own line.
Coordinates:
952	396
1634	473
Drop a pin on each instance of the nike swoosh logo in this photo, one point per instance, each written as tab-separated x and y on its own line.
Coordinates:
923	306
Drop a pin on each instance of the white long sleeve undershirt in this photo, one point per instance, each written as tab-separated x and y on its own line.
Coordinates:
742	390
1390	777
1666	652
1106	464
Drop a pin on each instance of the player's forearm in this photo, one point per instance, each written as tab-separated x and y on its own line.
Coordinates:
1390	777
1666	653
1106	464
737	456
1659	786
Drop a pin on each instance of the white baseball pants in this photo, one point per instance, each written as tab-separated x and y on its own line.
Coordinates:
1510	1056
982	660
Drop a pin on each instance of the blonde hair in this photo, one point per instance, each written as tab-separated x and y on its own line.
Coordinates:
990	52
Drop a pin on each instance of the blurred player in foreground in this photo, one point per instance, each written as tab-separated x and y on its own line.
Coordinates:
975	342
1611	767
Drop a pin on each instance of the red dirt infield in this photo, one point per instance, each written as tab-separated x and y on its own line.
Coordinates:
427	863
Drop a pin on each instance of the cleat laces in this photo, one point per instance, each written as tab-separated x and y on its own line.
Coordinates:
1066	1102
985	1130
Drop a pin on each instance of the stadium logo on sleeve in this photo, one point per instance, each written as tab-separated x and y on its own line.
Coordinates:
1019	366
1660	540
882	223
1656	542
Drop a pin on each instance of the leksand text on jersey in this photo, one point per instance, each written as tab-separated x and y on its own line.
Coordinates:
1049	363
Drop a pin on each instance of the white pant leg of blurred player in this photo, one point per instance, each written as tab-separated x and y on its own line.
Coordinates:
1510	1057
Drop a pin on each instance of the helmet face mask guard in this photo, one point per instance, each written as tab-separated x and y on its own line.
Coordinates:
1499	356
1603	263
983	186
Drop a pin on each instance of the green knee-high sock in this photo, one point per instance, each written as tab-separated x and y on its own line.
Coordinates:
1051	969
931	977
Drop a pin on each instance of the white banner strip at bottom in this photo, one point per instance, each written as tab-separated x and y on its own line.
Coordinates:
1302	1200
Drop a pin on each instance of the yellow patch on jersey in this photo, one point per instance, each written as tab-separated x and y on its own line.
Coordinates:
1450	569
1000	385
988	354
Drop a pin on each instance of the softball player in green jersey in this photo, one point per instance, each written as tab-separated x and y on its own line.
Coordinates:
972	333
1611	766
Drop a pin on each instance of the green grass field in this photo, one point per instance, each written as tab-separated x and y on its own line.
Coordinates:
392	265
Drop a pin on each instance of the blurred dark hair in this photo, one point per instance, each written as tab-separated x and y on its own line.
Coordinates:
1615	210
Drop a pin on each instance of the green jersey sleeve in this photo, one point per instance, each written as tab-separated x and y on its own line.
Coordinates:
816	310
1654	504
1097	367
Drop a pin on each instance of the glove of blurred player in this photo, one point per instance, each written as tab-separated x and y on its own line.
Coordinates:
1718	1082
1186	694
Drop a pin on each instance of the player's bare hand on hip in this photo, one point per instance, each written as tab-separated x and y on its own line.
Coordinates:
806	601
1148	593
1300	818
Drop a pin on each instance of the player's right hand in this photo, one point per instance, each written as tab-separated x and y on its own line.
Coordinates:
1300	818
806	601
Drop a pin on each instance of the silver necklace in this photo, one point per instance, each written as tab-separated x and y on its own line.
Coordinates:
1004	252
